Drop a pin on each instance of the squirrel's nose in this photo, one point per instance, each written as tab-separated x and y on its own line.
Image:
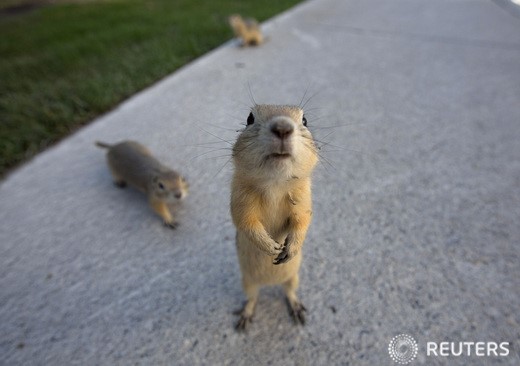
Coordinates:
282	129
178	195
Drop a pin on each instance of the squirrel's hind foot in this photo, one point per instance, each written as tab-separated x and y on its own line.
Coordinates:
246	317
297	311
244	320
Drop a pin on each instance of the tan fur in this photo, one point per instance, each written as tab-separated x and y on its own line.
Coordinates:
271	203
132	163
247	30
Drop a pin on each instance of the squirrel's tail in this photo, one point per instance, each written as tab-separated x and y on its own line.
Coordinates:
103	145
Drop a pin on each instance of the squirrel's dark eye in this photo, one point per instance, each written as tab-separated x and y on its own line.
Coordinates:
161	186
304	121
250	119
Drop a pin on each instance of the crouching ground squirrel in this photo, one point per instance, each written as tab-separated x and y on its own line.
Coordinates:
274	157
246	29
132	163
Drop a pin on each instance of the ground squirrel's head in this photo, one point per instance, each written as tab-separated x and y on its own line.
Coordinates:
275	144
236	21
169	186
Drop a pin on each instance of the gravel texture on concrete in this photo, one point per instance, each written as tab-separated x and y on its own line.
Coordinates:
416	105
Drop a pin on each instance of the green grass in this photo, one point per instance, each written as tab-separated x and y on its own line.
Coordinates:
61	65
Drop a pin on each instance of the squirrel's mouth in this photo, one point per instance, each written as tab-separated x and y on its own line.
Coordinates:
279	156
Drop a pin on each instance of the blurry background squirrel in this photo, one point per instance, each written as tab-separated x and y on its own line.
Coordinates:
132	163
247	30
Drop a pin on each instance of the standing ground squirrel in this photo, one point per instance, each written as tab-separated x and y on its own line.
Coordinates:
132	163
247	30
271	204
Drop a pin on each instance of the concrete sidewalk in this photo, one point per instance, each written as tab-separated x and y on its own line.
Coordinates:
416	202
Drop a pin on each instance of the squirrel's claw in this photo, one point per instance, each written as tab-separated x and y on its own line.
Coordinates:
283	257
244	320
242	323
297	312
172	225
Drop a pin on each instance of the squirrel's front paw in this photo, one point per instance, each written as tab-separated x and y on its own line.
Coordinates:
285	254
276	249
283	257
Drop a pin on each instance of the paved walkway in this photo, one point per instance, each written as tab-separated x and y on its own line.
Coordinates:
417	202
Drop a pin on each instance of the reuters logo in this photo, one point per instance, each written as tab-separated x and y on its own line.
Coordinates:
403	349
